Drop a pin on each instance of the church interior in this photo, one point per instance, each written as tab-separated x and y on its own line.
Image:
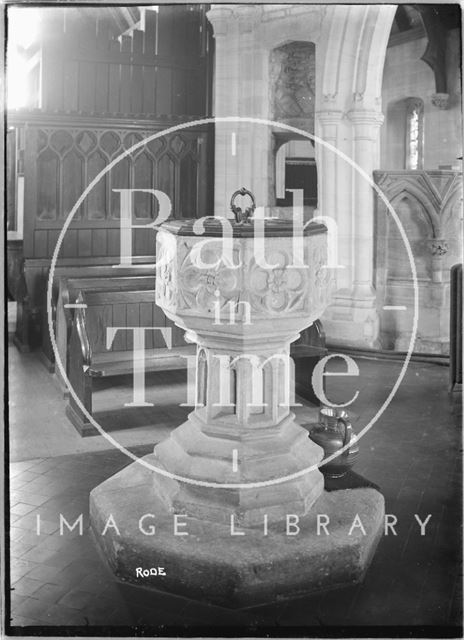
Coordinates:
336	129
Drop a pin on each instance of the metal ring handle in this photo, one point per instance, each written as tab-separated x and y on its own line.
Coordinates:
239	215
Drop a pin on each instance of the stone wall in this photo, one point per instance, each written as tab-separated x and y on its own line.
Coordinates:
406	75
347	117
428	201
428	205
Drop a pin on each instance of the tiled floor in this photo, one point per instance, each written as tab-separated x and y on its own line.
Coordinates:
412	453
39	427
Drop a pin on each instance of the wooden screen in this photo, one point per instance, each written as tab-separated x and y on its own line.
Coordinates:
111	77
160	66
60	161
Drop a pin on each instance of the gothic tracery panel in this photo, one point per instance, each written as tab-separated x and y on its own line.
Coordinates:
65	159
72	182
96	200
48	183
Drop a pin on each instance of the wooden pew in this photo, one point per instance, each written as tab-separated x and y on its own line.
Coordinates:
89	358
68	290
105	269
32	324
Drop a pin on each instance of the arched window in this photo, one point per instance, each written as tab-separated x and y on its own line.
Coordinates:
414	133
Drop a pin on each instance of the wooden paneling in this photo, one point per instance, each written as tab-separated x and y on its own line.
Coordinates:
64	154
14	259
60	162
126	309
11	168
85	68
99	94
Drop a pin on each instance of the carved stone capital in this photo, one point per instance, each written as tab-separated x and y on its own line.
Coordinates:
438	247
220	18
249	16
440	100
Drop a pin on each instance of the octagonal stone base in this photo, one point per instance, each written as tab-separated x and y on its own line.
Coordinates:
235	571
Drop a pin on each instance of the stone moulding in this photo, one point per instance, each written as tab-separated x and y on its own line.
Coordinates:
440	100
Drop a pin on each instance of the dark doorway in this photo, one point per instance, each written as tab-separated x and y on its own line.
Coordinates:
300	173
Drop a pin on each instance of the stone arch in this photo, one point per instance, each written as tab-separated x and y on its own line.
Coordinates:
357	33
377	48
419	230
451	199
402	189
412	196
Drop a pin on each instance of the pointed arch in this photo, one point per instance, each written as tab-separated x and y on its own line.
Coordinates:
451	199
398	189
415	196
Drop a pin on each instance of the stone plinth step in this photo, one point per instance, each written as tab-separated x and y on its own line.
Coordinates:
233	566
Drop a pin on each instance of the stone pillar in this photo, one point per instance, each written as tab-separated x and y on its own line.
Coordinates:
243	150
327	128
366	124
351	53
352	317
366	135
226	85
334	188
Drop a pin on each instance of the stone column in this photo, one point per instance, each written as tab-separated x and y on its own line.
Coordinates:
226	85
327	128
333	188
243	150
352	318
366	125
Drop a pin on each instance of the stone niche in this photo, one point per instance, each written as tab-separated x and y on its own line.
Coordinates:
428	205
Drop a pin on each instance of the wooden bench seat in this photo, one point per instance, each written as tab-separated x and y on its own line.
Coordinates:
89	358
68	289
107	365
143	267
